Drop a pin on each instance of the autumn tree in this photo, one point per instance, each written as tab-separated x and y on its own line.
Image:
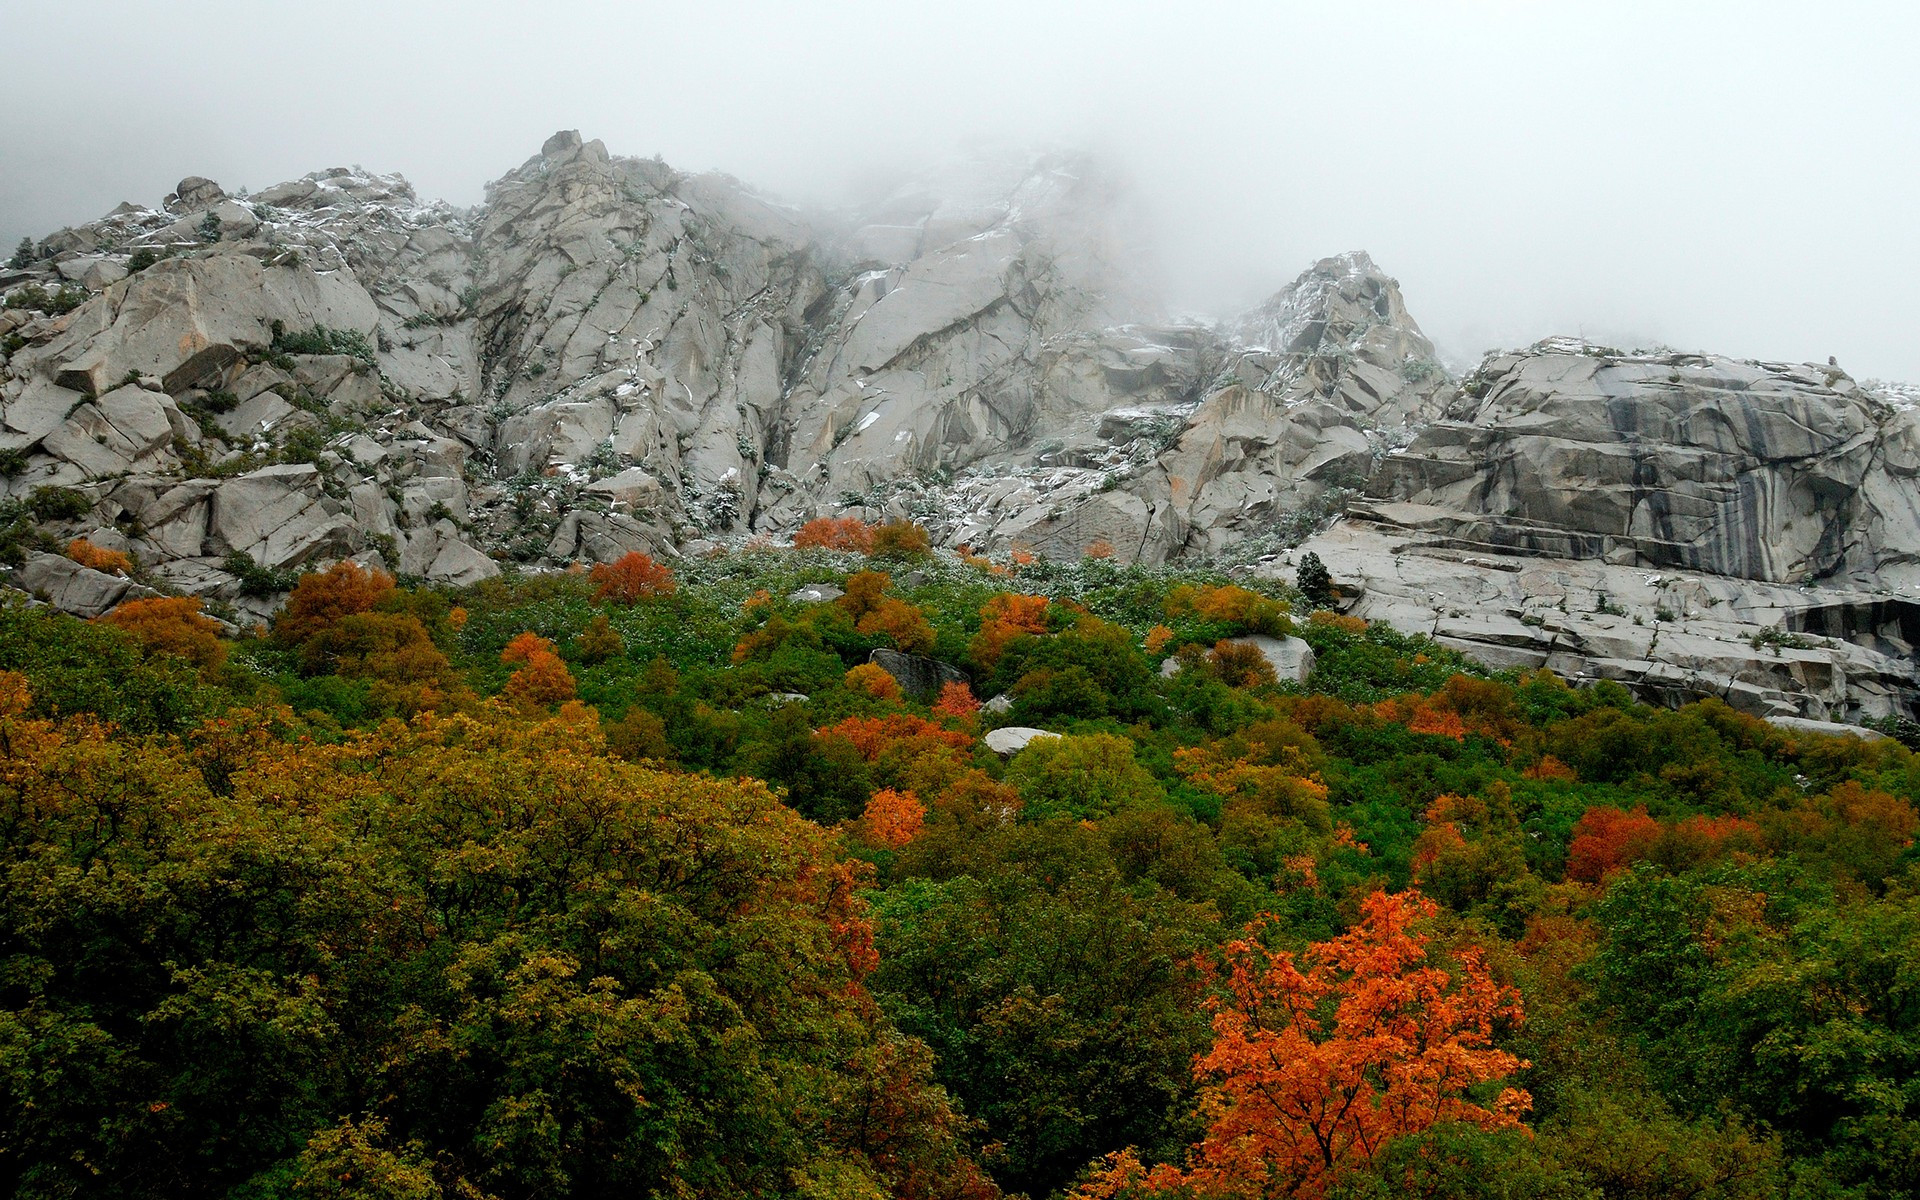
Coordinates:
1321	1059
901	540
893	817
956	701
171	625
322	598
1605	840
630	579
874	682
542	679
876	614
1004	618
835	533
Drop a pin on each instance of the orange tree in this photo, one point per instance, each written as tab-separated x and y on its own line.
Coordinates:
171	625
630	579
1321	1059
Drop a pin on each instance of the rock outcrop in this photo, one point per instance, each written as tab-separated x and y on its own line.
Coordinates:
610	355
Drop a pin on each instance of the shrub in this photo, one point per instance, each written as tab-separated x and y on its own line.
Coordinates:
893	817
322	340
600	641
69	297
630	579
1605	840
956	701
1081	777
171	625
322	598
901	540
873	681
1239	665
639	736
87	554
256	580
59	504
542	680
1230	609
835	533
141	260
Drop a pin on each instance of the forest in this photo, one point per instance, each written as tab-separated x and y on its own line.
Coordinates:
647	880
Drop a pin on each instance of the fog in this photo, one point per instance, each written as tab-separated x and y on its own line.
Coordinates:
1740	177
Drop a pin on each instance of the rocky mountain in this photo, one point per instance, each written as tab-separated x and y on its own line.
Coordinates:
609	355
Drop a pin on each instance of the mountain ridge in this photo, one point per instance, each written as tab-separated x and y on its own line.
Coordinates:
609	355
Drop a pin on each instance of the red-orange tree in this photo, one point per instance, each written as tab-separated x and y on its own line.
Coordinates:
630	579
1319	1060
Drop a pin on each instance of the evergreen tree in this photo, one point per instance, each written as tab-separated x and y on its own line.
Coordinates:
22	254
1313	580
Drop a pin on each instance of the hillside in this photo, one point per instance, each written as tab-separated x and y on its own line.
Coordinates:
865	869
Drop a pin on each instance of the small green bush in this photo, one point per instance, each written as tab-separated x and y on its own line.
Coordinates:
59	504
256	580
322	340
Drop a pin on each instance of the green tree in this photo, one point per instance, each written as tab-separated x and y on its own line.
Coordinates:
1084	777
1312	579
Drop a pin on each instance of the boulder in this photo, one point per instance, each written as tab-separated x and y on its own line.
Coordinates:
279	517
128	428
1010	740
918	676
1827	728
815	593
70	587
187	320
1290	657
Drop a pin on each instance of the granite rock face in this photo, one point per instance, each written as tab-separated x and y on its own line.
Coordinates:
610	355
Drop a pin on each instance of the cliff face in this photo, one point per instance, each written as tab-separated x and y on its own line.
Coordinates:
610	355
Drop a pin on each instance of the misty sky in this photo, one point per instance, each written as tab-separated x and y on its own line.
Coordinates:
1740	177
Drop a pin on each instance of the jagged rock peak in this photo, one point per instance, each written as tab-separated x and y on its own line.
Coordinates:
1341	295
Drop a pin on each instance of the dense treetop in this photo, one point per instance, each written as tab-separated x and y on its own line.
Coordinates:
649	881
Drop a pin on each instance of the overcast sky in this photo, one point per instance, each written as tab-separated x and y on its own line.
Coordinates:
1741	177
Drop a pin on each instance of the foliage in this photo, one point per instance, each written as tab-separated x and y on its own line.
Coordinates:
901	540
515	892
465	957
835	533
630	579
56	303
97	558
322	340
171	625
322	599
1320	1060
52	503
1313	580
1085	777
